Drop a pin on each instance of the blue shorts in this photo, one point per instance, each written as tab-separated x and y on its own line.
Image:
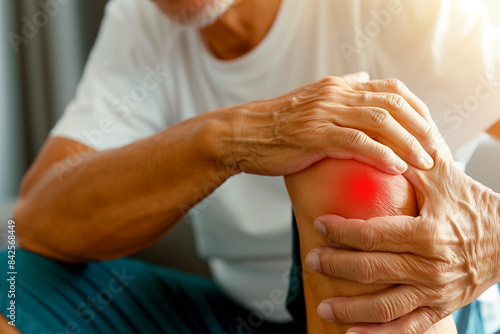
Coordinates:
122	296
131	296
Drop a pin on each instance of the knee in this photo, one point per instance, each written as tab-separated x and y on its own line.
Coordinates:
351	189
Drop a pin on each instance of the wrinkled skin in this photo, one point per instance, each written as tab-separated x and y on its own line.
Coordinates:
337	117
188	161
438	262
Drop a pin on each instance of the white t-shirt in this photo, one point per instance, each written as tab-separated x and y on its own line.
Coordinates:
146	74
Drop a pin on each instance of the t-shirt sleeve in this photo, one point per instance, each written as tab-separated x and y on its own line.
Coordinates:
120	98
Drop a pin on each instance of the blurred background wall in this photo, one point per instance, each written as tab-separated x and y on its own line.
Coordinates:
44	47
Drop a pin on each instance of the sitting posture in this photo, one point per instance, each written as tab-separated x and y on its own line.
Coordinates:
350	189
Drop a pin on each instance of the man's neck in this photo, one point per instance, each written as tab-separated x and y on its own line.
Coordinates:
241	28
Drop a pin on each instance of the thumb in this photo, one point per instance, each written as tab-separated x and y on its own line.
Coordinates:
360	77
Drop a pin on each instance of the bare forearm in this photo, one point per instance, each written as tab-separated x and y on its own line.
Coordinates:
118	201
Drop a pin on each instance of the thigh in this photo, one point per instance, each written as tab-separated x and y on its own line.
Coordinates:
121	296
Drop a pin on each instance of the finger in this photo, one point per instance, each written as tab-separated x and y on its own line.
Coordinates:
425	183
395	86
346	143
382	234
379	124
357	77
380	307
368	267
416	322
402	112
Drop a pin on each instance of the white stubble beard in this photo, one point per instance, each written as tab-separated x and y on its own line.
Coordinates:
201	17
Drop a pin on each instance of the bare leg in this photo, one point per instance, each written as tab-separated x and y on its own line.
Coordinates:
6	328
353	190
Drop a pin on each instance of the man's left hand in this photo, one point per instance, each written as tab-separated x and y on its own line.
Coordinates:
437	262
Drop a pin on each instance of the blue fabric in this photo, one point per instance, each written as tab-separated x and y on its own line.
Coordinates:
469	320
122	296
131	296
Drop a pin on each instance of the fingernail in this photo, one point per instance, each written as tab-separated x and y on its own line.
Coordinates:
426	160
352	333
312	261
401	165
320	227
421	159
325	312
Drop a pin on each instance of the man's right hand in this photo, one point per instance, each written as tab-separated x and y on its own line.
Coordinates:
380	123
373	122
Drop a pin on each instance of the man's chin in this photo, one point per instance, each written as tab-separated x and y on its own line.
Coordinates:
200	17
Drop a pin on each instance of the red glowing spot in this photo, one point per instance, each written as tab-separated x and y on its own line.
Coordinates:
351	189
363	188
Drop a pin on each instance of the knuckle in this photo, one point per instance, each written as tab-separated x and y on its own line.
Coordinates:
317	110
410	142
446	294
425	318
366	98
394	101
327	92
384	154
378	117
328	267
385	310
342	313
437	248
439	279
428	131
365	272
430	241
395	85
367	239
330	80
330	91
355	139
442	277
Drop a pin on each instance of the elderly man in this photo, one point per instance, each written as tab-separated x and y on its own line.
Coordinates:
190	105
